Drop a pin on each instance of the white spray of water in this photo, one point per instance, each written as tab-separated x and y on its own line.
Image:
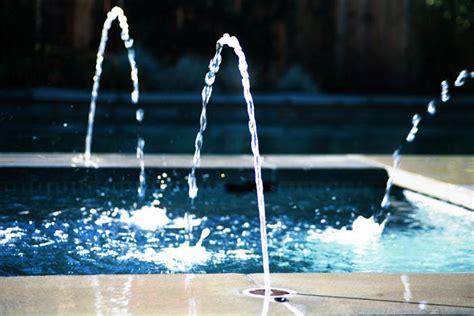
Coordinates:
116	13
210	77
363	231
177	259
431	109
146	218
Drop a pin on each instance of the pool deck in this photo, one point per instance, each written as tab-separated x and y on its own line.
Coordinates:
222	294
449	178
65	160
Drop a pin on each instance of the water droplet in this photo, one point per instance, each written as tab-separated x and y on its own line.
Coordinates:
411	135
432	107
139	114
461	79
134	96
416	119
445	91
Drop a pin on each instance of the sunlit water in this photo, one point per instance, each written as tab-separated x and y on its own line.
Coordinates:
116	13
206	93
310	229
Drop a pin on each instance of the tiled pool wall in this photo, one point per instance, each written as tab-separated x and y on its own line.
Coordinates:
56	181
42	126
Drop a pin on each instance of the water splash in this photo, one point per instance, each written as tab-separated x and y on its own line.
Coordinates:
149	217
112	15
177	259
364	230
11	233
431	109
210	77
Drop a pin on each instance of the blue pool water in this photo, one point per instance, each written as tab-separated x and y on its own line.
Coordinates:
107	230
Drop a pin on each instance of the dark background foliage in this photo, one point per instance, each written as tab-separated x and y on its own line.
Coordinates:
343	46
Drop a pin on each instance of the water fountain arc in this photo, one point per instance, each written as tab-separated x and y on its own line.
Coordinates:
114	14
214	64
431	109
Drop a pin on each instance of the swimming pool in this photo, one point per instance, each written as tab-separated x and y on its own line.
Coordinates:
90	221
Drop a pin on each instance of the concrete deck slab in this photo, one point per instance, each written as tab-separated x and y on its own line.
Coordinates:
51	160
222	294
449	178
452	169
375	293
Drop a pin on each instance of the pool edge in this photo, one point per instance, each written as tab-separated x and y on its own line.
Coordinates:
219	294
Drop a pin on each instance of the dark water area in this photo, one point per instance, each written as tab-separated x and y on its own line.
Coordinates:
282	129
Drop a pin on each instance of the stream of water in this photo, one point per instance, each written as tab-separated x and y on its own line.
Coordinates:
116	13
210	78
431	109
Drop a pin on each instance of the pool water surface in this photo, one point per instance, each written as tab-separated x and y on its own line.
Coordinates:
108	230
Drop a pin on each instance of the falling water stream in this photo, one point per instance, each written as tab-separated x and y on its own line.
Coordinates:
116	13
210	77
415	121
